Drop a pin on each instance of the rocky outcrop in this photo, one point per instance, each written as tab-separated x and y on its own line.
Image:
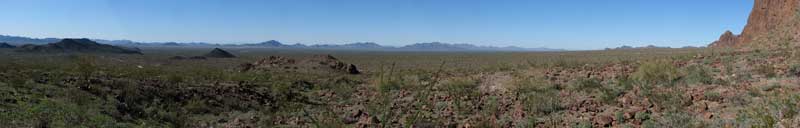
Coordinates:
77	46
727	39
767	16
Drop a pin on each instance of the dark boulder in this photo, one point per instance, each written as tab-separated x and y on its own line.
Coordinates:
352	69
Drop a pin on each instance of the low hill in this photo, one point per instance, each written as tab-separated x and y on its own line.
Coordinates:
6	45
77	46
18	40
219	53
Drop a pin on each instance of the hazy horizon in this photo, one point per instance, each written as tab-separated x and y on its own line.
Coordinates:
572	25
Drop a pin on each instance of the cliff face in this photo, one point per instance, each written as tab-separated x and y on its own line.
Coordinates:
767	16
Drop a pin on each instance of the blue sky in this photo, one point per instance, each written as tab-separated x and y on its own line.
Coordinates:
569	24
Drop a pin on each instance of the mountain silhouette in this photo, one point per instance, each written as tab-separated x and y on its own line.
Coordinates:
219	53
77	45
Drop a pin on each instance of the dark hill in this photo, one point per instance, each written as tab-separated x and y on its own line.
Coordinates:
219	53
77	46
6	45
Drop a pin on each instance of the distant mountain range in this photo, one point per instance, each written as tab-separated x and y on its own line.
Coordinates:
625	47
432	46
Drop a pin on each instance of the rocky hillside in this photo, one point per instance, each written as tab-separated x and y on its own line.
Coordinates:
773	21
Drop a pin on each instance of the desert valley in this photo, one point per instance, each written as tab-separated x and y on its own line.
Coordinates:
750	79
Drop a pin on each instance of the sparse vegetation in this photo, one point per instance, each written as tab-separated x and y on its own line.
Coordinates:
661	73
698	74
395	90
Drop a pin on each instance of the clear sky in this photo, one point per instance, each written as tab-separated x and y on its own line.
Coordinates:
569	24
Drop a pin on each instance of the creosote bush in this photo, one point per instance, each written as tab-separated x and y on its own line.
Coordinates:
660	72
539	97
698	74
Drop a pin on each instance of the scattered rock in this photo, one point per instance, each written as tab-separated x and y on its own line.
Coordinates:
603	120
353	117
317	63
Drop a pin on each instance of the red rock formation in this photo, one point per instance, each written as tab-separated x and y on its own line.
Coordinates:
727	39
766	16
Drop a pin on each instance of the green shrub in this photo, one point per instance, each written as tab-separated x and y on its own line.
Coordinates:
698	74
786	106
196	106
527	85
712	96
386	86
769	112
461	87
656	73
642	116
771	86
53	113
608	94
543	102
766	70
620	117
755	117
794	70
464	91
583	124
585	85
677	120
670	99
86	65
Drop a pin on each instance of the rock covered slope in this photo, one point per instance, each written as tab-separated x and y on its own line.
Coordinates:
770	21
317	63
